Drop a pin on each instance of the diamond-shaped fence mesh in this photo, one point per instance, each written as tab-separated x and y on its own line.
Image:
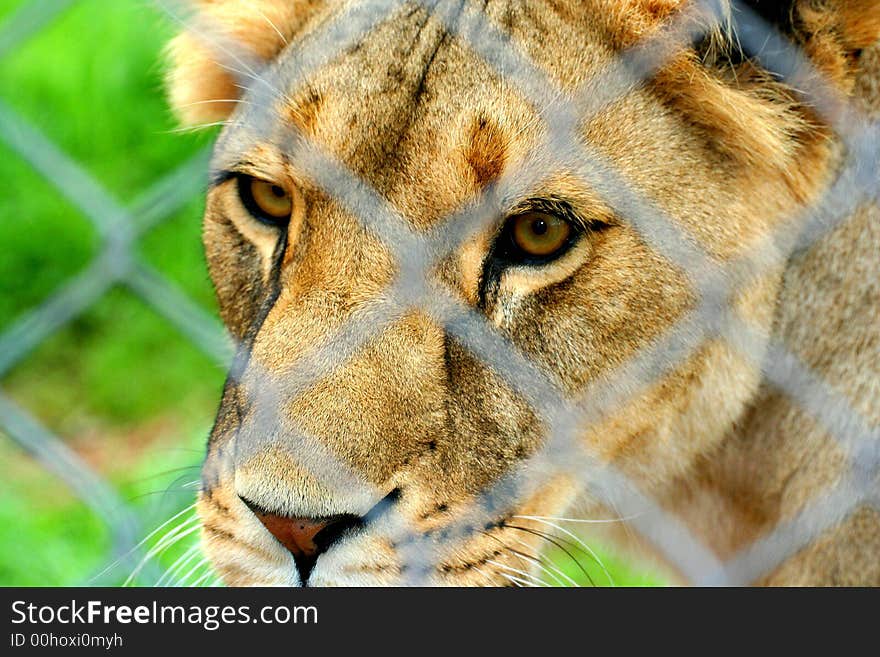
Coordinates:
716	283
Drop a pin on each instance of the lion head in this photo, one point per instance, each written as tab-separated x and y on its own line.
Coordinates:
442	303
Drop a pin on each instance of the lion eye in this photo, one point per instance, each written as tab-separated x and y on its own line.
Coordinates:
538	235
266	200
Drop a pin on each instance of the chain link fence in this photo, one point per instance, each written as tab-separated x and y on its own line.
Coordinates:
417	253
115	265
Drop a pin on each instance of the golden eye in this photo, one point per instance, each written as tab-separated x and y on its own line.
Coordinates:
539	234
268	201
272	199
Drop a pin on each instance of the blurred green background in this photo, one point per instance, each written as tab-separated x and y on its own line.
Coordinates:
127	392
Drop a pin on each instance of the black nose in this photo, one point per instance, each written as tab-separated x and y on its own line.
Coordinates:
305	538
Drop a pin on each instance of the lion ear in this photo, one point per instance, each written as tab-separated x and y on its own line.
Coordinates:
832	33
209	61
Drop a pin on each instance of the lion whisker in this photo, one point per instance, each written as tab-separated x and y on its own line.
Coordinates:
555	540
598	521
195	128
556	573
541	564
202	578
201	563
516	580
181	561
504	545
580	543
271	24
210	37
534	579
185	487
237	101
156	475
537	561
488	579
278	93
173	536
146	538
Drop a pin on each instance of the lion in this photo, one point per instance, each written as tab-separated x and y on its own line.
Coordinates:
365	435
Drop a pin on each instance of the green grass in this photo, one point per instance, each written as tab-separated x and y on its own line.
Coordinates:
119	383
597	567
91	81
50	538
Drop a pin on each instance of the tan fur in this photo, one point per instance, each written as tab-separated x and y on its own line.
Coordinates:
726	150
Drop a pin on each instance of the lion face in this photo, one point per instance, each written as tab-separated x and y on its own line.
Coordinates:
370	408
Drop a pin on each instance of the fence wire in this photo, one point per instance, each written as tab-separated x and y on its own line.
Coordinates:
416	253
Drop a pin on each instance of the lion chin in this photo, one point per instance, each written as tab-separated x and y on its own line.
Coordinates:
456	328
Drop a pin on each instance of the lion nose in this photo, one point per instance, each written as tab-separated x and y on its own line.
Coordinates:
296	534
305	538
